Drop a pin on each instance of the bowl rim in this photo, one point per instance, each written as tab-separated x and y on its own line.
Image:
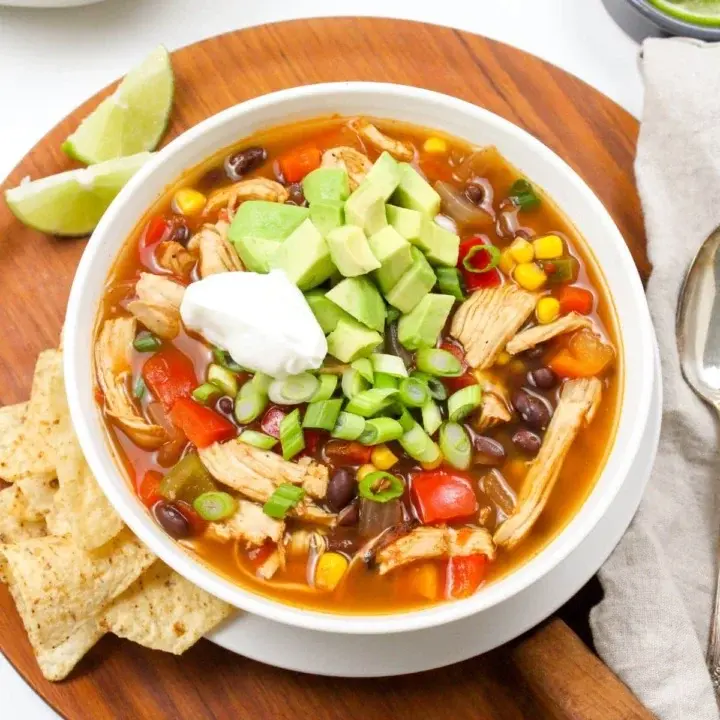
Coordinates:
138	519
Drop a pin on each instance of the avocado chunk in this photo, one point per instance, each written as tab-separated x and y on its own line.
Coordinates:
326	184
326	312
304	257
415	193
359	297
351	340
393	253
441	246
422	325
259	227
384	175
351	252
327	215
407	222
415	283
366	209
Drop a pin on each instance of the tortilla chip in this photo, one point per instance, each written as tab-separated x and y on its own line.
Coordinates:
163	611
58	522
39	493
14	525
11	423
58	586
57	663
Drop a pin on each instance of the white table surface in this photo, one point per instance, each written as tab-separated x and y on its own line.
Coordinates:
52	60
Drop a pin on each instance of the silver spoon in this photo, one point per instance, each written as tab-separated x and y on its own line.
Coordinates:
698	341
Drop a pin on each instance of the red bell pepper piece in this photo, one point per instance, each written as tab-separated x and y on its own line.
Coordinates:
585	355
442	496
202	425
147	487
298	163
575	299
453	384
345	452
271	420
170	375
464	575
155	231
477	280
312	440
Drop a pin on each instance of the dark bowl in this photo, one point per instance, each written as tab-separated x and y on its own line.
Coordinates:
673	25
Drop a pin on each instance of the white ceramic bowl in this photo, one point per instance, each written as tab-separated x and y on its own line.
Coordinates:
422	108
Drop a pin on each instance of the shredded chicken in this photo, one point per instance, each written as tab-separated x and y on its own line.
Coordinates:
112	362
488	319
397	148
259	188
274	562
352	161
250	524
217	253
175	258
495	408
157	305
540	333
579	400
425	543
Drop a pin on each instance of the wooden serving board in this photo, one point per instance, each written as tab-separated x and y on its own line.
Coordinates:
547	674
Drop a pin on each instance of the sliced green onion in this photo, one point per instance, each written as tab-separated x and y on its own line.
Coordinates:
389	364
294	389
259	383
449	282
406	420
207	393
436	388
348	426
140	388
561	270
364	367
431	417
381	486
222	357
325	391
455	445
353	383
291	435
214	506
146	342
493	260
463	402
223	378
434	361
413	392
418	445
249	406
380	430
371	402
523	194
322	415
284	498
392	314
258	439
384	381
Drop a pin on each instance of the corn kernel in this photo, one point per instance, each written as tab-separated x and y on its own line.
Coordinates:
383	458
189	202
434	464
547	310
548	247
521	251
529	276
330	568
507	263
435	145
364	470
517	366
503	358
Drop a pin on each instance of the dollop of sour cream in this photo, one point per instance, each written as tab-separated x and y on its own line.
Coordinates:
263	321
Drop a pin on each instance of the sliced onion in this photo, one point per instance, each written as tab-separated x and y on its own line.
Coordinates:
460	209
377	517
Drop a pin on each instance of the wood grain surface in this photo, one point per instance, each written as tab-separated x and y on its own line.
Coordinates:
547	674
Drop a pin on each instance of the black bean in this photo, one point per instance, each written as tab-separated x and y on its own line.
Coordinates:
341	489
226	405
297	197
534	410
488	451
344	540
349	515
474	193
171	520
527	440
534	352
242	162
180	234
543	378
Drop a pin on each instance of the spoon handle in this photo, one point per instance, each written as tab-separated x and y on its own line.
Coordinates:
713	652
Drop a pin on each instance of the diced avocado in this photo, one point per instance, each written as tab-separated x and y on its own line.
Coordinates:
415	193
351	340
440	245
305	257
258	228
422	325
415	283
393	252
326	184
359	297
327	215
326	312
366	209
350	251
407	222
384	175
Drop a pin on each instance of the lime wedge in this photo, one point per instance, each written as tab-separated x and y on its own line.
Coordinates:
133	119
72	203
698	12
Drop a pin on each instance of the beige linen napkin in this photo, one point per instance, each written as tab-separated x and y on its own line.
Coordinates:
652	627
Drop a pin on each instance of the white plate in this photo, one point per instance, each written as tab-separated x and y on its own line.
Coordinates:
323	653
